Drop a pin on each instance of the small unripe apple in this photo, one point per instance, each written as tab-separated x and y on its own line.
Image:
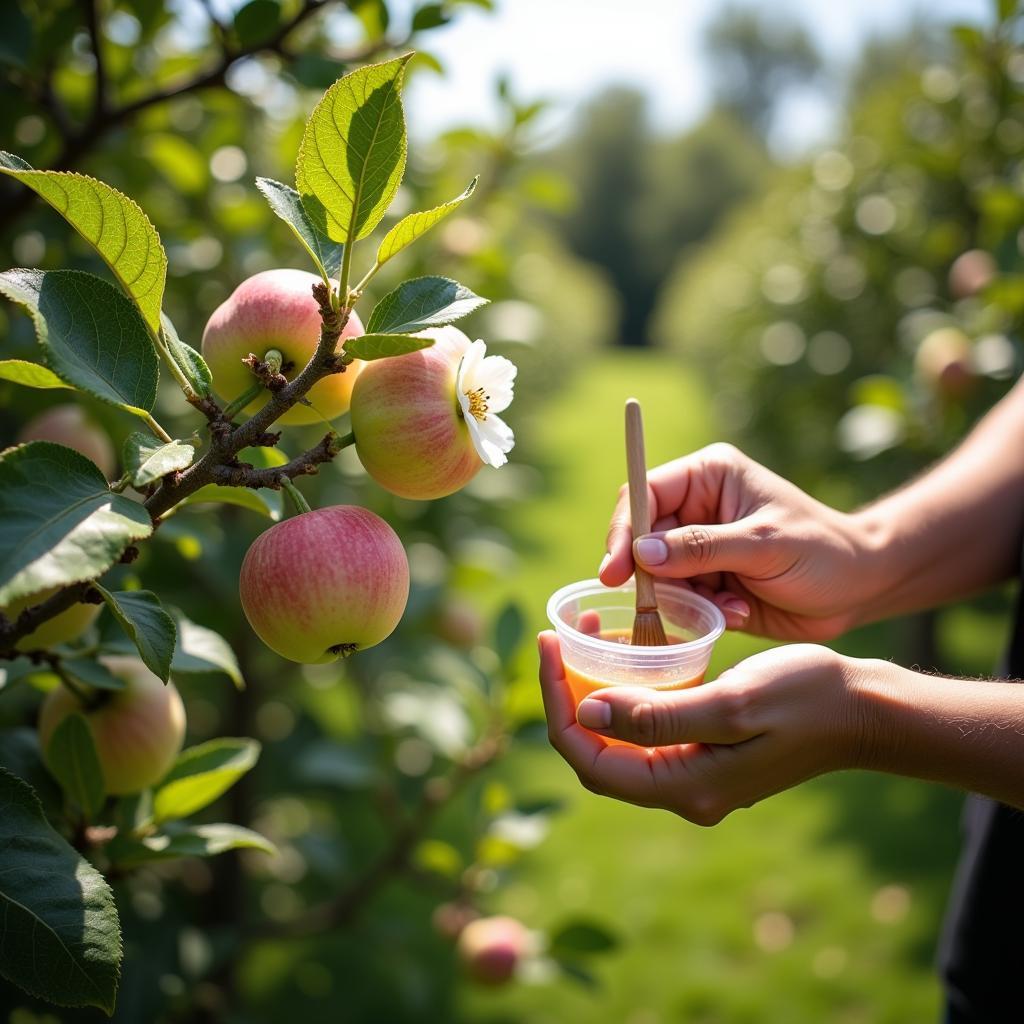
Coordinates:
460	624
943	362
491	948
275	309
411	435
138	731
69	625
325	584
971	272
70	426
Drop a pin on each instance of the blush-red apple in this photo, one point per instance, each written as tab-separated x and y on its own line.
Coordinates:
943	362
325	584
491	948
411	435
275	309
138	731
70	426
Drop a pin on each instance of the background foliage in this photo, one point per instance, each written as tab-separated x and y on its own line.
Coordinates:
780	299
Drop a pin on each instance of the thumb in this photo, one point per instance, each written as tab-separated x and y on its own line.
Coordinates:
698	549
659	718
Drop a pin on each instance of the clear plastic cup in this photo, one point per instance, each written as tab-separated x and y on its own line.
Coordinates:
594	624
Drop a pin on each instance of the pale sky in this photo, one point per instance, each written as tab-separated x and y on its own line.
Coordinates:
566	50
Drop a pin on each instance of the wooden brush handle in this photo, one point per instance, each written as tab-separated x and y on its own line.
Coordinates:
639	510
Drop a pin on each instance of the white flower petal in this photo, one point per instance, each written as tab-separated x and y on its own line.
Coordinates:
469	368
447	337
496	438
496	376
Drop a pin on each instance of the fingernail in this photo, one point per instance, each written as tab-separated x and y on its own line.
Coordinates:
604	561
594	714
651	550
734	604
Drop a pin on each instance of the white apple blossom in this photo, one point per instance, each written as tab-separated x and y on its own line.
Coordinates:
483	385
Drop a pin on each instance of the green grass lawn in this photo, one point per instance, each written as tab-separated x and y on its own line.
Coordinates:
820	905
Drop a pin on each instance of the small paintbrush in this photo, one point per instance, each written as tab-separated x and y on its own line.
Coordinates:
647	628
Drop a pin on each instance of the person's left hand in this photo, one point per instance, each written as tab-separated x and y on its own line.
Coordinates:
768	723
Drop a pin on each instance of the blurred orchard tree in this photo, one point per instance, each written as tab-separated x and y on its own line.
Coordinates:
644	200
373	781
859	315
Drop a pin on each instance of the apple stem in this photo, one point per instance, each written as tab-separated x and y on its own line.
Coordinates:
157	429
300	503
339	441
243	400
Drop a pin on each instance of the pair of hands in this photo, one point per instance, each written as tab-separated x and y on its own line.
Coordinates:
778	563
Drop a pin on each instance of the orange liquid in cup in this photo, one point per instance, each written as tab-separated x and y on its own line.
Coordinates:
582	686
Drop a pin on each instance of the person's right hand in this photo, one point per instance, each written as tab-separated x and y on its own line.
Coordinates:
776	561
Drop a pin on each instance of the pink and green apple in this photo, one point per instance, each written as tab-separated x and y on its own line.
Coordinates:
138	731
275	309
411	433
491	948
325	584
70	426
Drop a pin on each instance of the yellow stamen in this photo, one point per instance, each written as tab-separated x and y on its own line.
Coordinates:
478	403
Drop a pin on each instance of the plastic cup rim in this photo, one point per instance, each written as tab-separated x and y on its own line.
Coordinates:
582	587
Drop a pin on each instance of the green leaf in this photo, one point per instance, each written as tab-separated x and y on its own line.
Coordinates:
59	522
374	15
420	303
135	811
147	459
92	673
287	204
508	632
150	627
185	841
352	155
60	938
201	774
429	16
71	756
21	755
202	650
121	233
582	937
380	346
263	500
187	359
409	228
256	22
93	337
30	375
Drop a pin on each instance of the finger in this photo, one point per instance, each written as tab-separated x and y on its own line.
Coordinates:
734	608
704	548
579	747
589	622
617	565
719	713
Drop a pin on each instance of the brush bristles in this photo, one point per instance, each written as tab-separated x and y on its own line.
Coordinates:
648	630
